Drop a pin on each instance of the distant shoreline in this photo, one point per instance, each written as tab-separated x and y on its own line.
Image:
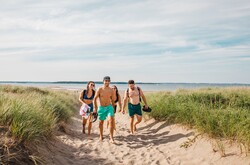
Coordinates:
118	82
70	85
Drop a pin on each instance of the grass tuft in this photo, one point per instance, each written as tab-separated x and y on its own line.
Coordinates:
219	112
33	113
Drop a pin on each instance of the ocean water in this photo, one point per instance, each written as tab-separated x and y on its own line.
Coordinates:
124	86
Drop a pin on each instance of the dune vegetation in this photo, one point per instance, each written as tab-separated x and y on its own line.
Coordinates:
29	114
218	112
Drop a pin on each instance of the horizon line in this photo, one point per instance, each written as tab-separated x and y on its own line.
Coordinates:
117	82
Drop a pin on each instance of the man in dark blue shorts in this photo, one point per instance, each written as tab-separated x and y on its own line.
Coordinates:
134	94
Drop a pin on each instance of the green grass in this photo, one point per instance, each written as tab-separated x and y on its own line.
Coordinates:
219	112
32	113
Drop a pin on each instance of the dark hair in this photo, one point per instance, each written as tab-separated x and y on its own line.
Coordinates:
106	78
117	93
88	86
131	82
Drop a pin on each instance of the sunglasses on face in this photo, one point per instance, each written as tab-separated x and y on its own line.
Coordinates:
92	85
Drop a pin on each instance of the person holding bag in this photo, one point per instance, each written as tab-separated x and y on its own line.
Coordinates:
86	98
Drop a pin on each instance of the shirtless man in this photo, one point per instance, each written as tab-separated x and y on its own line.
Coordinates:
106	97
134	107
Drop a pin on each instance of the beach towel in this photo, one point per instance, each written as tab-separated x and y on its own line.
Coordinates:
84	110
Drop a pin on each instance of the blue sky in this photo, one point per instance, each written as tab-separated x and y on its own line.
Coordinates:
148	41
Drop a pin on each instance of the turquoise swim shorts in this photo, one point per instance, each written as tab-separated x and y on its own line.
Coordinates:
104	112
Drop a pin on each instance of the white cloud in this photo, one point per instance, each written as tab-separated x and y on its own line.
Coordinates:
171	36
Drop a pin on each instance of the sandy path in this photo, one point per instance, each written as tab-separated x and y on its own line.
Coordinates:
154	143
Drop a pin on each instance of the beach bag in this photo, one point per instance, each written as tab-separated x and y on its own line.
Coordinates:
84	110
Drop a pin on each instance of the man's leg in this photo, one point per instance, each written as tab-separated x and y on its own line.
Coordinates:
139	118
132	124
111	129
108	122
83	124
101	129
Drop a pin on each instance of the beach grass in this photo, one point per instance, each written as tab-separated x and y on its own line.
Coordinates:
31	113
218	112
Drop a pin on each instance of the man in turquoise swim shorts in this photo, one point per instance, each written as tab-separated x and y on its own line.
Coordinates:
106	97
134	94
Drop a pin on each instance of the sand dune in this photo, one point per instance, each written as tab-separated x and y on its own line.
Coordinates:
154	143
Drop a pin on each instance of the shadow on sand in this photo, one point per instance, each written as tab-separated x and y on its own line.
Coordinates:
148	137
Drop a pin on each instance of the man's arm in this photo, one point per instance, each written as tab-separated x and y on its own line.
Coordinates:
97	94
125	99
144	99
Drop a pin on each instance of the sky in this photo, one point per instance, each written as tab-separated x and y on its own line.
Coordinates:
193	41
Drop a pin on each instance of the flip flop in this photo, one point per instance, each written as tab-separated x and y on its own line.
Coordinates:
146	110
95	115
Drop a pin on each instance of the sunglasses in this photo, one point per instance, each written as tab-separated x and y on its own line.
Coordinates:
92	85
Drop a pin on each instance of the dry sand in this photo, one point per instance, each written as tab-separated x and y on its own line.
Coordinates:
154	143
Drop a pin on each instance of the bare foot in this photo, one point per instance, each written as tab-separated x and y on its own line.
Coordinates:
112	141
135	128
90	137
101	138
